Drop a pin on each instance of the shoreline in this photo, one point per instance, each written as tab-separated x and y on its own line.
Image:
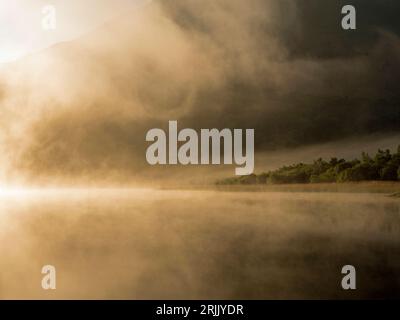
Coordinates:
390	188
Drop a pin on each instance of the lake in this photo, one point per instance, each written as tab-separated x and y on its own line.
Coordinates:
198	244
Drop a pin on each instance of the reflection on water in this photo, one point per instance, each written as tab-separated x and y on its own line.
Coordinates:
159	244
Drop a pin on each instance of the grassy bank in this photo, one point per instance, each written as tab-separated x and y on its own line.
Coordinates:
386	187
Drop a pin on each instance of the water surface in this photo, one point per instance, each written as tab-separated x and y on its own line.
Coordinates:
177	244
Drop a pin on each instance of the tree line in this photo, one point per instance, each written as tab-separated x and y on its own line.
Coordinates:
384	166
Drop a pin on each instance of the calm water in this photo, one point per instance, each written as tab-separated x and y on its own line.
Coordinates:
138	244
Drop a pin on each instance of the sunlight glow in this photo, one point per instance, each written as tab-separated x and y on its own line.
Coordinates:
22	32
15	191
79	192
9	55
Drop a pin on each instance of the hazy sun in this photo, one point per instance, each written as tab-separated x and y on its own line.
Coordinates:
21	28
9	54
13	191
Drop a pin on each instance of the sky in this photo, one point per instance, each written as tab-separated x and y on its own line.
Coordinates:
284	68
21	29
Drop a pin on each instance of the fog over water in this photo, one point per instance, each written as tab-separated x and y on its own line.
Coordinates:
145	243
76	114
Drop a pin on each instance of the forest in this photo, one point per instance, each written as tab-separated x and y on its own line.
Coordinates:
384	166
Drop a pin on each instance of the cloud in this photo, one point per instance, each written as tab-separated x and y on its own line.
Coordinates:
285	68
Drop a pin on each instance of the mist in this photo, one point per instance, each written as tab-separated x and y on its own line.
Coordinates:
146	244
77	193
79	111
